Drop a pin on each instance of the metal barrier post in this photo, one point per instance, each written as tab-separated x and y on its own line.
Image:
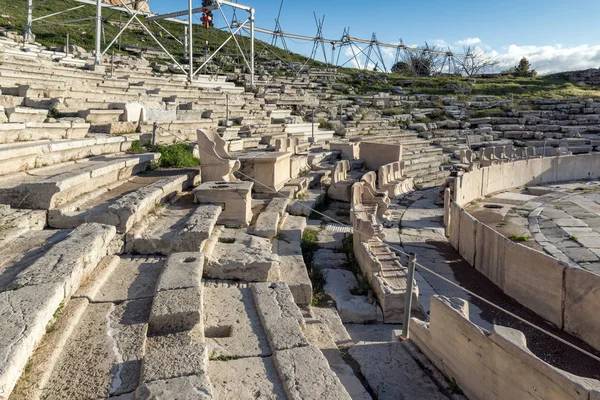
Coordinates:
67	47
227	111
154	126
412	261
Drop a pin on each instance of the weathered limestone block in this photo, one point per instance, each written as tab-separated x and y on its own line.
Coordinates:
234	197
25	312
173	356
306	375
245	378
351	309
375	155
467	244
535	280
496	365
267	224
69	262
291	262
489	254
20	114
239	255
582	297
350	151
192	387
281	318
177	304
271	169
103	356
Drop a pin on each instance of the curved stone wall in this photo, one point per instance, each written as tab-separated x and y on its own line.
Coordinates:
566	296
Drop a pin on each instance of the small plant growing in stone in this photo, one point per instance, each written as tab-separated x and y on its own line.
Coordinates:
573	237
519	238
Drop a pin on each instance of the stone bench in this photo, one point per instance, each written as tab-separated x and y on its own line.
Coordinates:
51	187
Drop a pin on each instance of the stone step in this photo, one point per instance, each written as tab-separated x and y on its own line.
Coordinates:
50	187
42	288
123	203
178	227
22	156
31	131
420	171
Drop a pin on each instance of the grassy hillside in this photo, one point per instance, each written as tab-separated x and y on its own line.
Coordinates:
81	33
522	88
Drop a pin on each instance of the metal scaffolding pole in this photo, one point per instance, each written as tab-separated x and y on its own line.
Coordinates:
190	42
28	34
252	47
98	55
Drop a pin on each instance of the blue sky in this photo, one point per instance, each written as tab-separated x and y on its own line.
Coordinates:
554	34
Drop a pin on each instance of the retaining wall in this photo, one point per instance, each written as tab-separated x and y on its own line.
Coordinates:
491	365
566	296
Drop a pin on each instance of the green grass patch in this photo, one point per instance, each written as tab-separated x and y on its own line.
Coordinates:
175	156
573	237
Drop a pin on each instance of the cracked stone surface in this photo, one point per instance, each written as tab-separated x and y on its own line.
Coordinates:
245	379
103	356
232	325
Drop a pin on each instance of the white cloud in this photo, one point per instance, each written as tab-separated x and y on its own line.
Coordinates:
438	43
469	42
549	59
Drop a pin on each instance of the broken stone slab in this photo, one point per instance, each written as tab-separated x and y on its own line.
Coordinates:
392	372
352	309
267	224
234	197
173	356
103	356
232	324
245	379
280	317
306	375
238	255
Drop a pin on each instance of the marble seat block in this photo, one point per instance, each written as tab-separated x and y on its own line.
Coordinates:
234	197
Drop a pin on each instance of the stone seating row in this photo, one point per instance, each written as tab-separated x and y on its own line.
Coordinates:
378	263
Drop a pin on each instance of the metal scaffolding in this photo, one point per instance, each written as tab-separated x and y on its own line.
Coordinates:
364	54
136	13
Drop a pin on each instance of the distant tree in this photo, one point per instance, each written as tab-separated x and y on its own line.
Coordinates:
524	67
401	68
475	61
423	61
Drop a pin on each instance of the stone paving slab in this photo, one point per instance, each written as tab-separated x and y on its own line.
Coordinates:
392	373
232	324
245	379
